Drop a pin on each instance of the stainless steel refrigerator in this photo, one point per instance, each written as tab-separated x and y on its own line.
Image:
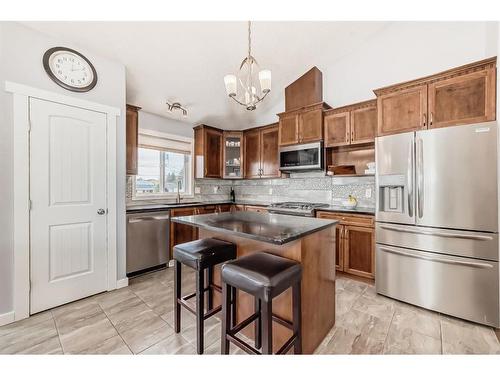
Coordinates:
437	220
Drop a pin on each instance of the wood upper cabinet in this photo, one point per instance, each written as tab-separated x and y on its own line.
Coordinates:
209	147
364	124
352	124
402	111
458	96
354	244
261	152
269	152
252	153
304	125
289	129
337	127
311	126
463	100
132	138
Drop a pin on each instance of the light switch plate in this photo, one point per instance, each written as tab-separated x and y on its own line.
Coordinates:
368	193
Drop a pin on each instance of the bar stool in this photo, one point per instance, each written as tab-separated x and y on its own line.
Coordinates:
200	255
264	276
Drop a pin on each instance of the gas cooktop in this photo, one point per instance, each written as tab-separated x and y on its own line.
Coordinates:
296	208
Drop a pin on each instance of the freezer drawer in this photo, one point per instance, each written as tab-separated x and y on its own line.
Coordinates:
479	245
461	287
147	240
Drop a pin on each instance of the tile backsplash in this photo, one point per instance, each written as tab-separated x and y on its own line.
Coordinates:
308	187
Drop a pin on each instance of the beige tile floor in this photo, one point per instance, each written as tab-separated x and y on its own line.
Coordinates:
138	319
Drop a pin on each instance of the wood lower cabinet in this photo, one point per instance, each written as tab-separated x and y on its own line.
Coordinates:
132	138
256	209
458	96
261	152
208	145
352	124
181	233
354	244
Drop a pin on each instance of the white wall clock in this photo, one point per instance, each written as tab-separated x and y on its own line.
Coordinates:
69	69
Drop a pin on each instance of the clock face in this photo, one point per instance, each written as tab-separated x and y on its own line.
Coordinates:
70	69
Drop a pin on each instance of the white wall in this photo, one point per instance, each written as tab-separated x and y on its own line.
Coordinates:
21	51
162	124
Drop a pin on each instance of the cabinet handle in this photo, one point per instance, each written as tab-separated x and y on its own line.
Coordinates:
425	120
430	118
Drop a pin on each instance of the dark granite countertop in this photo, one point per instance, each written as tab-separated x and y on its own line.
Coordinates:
272	228
168	206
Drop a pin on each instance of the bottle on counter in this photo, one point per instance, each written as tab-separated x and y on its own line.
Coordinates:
233	198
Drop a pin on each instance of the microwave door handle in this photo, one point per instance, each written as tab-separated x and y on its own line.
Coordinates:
409	179
420	178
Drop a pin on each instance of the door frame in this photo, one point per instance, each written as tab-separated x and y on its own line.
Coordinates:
21	152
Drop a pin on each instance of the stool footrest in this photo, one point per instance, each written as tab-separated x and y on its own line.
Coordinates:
207	315
287	345
242	345
211	286
286	323
238	327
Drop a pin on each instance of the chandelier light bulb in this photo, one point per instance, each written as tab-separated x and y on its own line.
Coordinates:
265	80
231	83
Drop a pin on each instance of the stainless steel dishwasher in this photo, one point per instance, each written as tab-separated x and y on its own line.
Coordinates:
148	235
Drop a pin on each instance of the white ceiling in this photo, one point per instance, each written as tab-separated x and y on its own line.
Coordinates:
186	61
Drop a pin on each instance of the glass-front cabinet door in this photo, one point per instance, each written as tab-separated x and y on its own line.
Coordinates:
233	146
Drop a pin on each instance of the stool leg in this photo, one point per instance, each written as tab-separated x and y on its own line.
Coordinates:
210	281
200	311
177	288
258	325
297	318
267	326
234	291
226	302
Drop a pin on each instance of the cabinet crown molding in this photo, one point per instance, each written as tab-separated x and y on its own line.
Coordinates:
312	107
350	107
450	73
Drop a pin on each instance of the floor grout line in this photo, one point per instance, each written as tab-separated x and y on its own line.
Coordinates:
57	330
116	329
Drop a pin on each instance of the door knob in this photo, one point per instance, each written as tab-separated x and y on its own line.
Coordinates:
101	211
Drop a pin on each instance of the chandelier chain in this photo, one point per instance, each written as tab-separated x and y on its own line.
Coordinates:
249	39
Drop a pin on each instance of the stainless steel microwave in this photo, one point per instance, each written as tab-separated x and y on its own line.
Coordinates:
303	157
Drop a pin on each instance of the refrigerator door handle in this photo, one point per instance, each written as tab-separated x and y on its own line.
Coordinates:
477	237
409	179
436	259
420	178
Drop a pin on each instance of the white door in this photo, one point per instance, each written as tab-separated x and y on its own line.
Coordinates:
68	204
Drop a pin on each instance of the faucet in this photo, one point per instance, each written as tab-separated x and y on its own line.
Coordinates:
178	199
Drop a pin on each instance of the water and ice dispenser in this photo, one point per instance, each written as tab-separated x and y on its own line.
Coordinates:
391	190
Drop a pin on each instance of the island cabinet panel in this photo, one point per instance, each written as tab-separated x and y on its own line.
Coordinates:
354	244
269	150
337	126
132	138
311	126
462	100
208	150
402	111
256	209
289	129
181	233
224	208
364	124
358	254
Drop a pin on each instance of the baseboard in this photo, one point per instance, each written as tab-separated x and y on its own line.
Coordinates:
6	318
122	283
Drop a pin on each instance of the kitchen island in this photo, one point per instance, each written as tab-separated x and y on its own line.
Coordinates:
309	241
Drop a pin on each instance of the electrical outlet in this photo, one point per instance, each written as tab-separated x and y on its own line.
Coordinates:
197	190
368	193
270	191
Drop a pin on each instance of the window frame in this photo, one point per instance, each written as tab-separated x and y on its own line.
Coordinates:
190	179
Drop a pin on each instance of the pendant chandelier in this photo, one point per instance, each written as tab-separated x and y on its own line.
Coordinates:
246	80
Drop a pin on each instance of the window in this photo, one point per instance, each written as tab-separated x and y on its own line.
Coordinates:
164	163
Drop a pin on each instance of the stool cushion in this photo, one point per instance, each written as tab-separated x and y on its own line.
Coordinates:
262	275
204	253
